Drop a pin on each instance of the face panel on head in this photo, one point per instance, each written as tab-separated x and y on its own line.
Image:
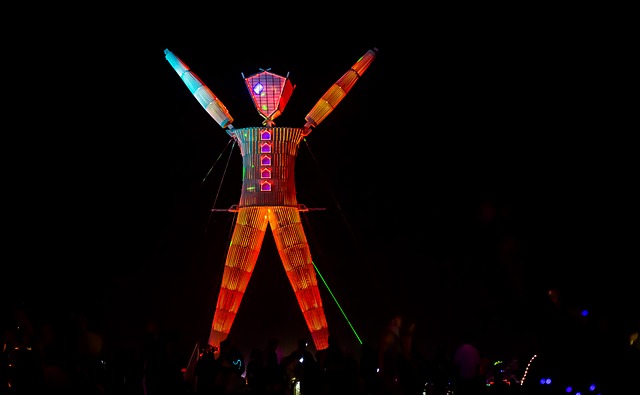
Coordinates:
270	93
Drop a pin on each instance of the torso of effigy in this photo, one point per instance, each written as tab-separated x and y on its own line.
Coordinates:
268	161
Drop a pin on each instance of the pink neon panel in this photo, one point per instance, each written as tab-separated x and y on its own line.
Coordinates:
270	93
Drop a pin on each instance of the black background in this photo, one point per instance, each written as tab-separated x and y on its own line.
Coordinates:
467	112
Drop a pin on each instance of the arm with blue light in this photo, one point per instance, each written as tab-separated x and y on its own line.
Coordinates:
200	91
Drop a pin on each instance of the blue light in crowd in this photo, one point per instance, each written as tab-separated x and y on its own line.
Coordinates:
585	313
544	381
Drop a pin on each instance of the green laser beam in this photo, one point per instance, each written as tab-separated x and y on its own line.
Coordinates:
336	300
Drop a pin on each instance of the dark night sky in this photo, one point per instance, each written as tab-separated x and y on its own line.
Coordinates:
457	116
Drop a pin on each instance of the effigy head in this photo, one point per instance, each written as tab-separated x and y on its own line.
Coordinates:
270	93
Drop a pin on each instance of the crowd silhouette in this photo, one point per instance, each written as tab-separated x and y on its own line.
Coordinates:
69	358
62	352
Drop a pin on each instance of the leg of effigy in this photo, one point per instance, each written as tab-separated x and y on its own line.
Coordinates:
246	241
296	257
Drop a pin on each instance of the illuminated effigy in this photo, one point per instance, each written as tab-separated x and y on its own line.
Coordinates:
268	196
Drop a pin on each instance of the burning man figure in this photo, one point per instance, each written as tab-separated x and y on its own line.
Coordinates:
268	191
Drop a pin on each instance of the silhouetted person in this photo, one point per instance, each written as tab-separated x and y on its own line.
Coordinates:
466	368
162	371
389	357
332	364
352	374
230	366
412	366
275	379
125	372
25	373
306	369
501	384
205	372
441	371
288	365
368	369
257	372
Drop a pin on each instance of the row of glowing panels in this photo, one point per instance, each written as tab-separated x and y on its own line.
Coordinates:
265	160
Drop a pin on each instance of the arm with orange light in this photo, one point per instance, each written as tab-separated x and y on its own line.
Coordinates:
200	91
338	91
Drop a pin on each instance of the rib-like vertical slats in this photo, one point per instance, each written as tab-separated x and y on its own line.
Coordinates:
200	91
284	148
279	210
291	235
317	325
246	242
314	318
270	200
339	90
296	259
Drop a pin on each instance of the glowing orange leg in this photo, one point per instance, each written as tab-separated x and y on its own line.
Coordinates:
296	257
293	248
246	241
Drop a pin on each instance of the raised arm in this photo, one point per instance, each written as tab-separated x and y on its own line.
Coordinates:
338	91
205	97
